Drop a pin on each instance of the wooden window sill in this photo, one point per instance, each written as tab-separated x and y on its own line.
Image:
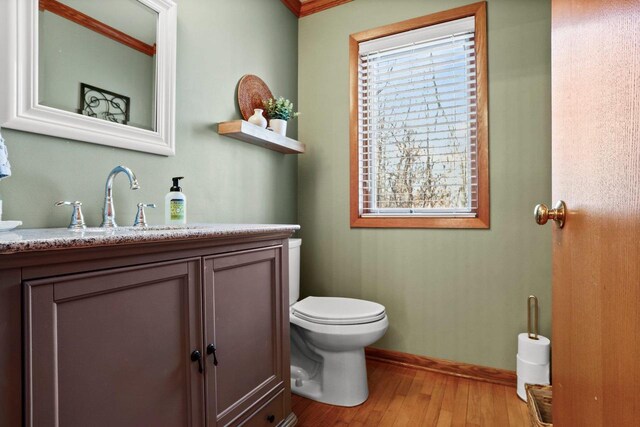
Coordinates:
420	222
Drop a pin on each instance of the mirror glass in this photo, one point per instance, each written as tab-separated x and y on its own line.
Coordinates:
98	58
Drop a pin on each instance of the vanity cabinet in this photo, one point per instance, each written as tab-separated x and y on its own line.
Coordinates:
244	322
112	348
158	334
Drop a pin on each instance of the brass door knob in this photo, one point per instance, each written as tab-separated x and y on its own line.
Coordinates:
543	214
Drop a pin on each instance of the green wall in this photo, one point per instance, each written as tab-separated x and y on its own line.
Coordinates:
226	180
453	294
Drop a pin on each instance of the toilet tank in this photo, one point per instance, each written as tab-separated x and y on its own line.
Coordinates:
294	270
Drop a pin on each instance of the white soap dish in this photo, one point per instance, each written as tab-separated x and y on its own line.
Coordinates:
9	225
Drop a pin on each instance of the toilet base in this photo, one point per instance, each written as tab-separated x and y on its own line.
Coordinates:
341	381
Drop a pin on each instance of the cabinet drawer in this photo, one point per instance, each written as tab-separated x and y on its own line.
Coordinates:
270	414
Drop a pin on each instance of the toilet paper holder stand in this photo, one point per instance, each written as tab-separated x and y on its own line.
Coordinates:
532	321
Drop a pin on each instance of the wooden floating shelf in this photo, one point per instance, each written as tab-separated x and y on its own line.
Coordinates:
248	132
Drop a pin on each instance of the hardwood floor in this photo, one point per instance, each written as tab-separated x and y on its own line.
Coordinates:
400	396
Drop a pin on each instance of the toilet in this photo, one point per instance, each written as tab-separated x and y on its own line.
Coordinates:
328	337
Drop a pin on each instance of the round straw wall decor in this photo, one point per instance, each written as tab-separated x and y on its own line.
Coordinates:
252	92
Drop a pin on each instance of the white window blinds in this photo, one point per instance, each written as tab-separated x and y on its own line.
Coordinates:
417	123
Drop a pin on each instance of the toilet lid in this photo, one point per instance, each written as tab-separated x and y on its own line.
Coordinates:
338	311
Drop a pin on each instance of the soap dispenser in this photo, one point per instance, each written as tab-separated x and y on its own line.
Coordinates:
175	204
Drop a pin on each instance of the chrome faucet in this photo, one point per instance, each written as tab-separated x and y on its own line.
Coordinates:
108	213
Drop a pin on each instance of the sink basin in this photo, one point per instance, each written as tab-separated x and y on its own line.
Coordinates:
131	229
166	227
100	230
90	230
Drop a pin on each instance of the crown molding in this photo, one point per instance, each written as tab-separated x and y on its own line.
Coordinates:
302	8
294	6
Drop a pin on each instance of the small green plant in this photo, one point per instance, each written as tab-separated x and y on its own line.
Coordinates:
280	109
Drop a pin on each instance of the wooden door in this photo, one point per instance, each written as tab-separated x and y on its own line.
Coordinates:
244	321
112	348
596	171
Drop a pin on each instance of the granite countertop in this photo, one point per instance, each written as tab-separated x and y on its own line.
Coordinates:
43	239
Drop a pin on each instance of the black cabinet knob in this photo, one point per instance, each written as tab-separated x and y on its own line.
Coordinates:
196	356
271	418
211	349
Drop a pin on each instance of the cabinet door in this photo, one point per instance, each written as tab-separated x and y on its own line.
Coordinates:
112	348
244	321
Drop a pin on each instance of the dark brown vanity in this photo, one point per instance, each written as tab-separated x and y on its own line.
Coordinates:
146	328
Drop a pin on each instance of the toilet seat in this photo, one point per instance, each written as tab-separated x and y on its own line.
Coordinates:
338	311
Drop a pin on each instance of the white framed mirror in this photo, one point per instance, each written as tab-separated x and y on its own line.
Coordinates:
90	70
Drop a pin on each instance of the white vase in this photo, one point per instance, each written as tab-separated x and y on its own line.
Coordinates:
278	126
258	119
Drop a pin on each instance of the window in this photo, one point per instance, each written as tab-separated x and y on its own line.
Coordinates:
419	148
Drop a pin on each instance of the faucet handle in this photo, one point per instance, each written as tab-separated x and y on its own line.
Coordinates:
141	219
77	219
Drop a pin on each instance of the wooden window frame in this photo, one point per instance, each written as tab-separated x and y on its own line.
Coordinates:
479	12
